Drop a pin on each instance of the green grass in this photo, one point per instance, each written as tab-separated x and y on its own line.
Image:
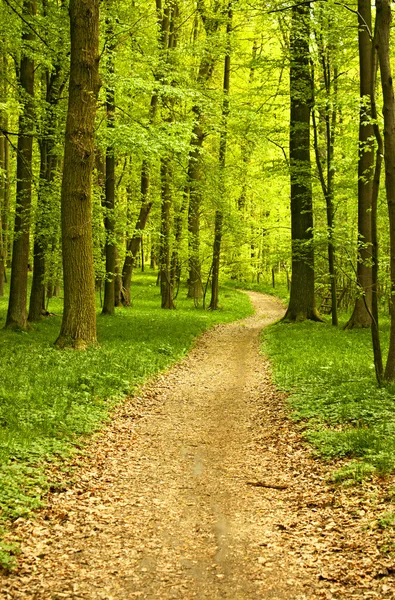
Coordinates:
330	376
51	399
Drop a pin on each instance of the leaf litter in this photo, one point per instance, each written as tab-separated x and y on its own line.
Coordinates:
202	487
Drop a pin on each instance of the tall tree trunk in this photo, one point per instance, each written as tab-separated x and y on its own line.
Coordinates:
302	301
109	200
195	288
78	328
377	354
361	316
17	314
45	207
133	243
170	14
4	176
327	179
206	67
384	17
222	162
166	284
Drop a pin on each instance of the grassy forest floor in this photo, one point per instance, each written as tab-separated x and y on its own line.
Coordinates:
50	400
330	377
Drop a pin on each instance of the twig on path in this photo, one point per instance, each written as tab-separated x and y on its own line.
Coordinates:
275	486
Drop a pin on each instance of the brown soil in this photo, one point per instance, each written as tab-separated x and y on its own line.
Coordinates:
202	488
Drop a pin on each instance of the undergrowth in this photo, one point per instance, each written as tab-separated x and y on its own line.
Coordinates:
51	399
330	376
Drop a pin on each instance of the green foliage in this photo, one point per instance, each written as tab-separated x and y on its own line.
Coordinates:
51	399
387	521
330	376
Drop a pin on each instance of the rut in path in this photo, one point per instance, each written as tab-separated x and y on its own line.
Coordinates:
165	506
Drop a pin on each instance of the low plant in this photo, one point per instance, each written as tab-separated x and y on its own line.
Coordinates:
329	374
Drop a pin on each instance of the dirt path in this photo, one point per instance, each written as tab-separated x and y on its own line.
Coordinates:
164	506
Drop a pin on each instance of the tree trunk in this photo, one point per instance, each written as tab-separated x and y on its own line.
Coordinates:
166	286
384	17
118	281
175	259
4	177
45	206
109	199
361	316
133	244
377	354
78	328
222	162
17	314
195	288
206	67
327	181
302	301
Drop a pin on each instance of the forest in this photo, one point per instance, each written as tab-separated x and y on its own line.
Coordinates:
161	161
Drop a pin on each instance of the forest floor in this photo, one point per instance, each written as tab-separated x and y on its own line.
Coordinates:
203	488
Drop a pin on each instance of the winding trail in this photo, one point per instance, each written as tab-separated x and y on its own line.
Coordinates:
201	488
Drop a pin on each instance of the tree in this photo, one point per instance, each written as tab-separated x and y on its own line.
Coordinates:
302	301
4	176
382	41
325	155
78	328
109	198
211	24
17	314
361	316
218	224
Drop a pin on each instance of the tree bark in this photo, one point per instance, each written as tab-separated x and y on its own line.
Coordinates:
78	328
361	316
133	243
377	354
384	17
45	207
17	313
109	199
302	300
166	284
4	177
327	180
222	163
206	67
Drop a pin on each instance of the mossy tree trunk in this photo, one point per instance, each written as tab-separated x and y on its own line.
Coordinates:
78	328
17	313
49	165
302	301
